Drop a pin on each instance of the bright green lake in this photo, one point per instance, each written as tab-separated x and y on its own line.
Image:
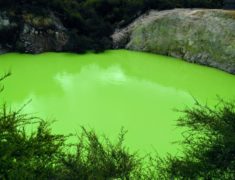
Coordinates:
107	91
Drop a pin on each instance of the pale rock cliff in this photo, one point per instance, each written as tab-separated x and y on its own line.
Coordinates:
196	35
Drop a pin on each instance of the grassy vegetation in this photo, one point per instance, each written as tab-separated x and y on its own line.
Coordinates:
230	14
209	150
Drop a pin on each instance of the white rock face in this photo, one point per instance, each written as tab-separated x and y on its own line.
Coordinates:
200	35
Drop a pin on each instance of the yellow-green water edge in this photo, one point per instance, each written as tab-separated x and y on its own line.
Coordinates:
114	89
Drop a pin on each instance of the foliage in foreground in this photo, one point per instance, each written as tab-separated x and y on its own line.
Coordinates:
209	144
37	153
209	150
43	155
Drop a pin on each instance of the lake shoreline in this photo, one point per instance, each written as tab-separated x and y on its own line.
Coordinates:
202	36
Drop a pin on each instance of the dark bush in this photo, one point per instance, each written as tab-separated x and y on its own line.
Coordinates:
209	145
43	155
40	154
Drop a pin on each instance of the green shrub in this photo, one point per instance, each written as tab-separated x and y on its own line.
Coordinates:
40	154
209	144
43	155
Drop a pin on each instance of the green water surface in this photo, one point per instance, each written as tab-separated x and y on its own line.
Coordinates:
107	91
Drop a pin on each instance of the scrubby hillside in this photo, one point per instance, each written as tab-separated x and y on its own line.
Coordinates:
36	26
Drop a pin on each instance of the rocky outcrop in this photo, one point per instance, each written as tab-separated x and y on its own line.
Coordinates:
200	36
32	34
40	34
7	29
